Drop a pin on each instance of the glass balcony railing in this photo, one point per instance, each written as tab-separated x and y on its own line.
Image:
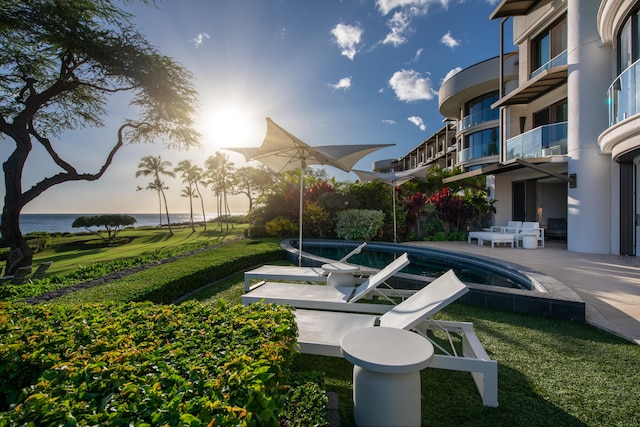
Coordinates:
539	142
559	59
478	118
478	152
624	95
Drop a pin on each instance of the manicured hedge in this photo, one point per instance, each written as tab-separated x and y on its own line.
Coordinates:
165	283
144	364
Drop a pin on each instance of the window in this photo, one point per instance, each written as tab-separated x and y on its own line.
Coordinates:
549	45
629	42
480	104
555	113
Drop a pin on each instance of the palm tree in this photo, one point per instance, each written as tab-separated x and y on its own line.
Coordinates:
192	174
156	167
220	170
189	192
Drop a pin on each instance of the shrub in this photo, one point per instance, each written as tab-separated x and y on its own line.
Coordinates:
281	227
359	224
38	241
145	364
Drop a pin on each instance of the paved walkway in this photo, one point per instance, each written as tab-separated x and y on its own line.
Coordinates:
609	284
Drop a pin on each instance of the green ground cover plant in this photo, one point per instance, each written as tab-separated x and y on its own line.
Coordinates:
145	364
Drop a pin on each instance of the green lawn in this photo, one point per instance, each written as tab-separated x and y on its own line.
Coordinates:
69	251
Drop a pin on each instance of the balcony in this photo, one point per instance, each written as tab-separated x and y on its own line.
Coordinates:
539	142
559	59
624	96
478	118
478	152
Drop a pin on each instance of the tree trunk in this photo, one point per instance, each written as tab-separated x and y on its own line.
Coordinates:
19	253
166	208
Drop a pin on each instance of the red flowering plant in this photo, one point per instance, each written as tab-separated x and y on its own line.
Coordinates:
452	209
413	205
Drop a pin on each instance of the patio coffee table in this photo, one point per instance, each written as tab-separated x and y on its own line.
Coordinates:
386	374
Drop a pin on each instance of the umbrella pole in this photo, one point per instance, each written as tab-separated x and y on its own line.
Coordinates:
393	193
300	216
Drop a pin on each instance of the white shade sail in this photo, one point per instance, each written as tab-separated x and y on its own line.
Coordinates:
281	151
394	179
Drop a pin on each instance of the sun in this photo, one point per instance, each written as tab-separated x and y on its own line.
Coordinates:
231	125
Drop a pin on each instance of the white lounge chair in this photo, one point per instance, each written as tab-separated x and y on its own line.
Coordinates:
291	273
320	332
532	228
338	298
512	227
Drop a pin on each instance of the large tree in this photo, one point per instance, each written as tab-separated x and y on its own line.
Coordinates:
254	182
61	61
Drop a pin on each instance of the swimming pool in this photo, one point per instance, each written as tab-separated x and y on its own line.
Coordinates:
424	262
492	283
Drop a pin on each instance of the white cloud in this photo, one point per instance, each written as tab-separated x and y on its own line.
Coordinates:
399	25
409	85
347	37
449	41
388	122
418	122
386	6
197	40
400	22
343	83
452	72
418	55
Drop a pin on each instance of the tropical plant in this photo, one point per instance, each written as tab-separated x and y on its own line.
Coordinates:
192	175
414	205
60	63
359	224
190	193
316	220
220	171
452	209
156	167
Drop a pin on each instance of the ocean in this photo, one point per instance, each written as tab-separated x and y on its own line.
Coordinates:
60	223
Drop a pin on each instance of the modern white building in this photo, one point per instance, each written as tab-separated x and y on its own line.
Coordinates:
566	106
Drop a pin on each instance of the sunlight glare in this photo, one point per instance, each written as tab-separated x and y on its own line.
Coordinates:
231	126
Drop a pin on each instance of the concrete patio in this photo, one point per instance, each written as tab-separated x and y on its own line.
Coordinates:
609	284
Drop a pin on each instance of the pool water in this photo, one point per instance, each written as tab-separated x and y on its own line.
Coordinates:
428	266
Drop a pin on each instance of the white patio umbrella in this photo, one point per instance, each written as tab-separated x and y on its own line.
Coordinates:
394	179
281	151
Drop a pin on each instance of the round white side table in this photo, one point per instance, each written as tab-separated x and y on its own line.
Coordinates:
386	375
340	274
529	241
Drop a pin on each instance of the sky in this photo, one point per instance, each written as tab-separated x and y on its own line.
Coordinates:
330	72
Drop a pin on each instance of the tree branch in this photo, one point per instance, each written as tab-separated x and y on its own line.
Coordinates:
47	145
72	174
